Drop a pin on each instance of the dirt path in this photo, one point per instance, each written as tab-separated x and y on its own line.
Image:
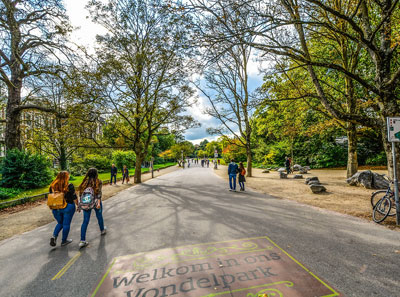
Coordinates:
27	217
340	197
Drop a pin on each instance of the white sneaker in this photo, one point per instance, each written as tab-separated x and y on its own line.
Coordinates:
83	244
104	231
68	241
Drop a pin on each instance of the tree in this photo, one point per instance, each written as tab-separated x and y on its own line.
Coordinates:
374	36
74	122
286	29
227	85
213	146
31	32
142	71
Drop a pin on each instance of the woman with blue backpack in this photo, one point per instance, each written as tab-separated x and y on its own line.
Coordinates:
90	198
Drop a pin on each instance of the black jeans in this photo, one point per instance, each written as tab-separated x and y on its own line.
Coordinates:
115	178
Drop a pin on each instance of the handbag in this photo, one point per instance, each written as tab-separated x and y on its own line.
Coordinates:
56	200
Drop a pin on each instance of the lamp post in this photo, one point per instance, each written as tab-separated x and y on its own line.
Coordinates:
152	167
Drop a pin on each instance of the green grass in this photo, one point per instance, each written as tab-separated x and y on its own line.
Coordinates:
104	176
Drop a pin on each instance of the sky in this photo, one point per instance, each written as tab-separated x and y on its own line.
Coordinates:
86	34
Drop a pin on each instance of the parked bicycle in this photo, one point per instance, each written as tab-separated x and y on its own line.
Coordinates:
383	204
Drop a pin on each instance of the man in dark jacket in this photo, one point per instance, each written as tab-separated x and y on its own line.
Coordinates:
233	169
114	171
287	165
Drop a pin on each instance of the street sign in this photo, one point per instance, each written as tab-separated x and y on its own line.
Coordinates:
393	127
215	155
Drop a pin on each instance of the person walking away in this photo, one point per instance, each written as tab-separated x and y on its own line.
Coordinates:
287	165
125	174
63	215
219	162
114	172
208	163
232	172
90	192
242	173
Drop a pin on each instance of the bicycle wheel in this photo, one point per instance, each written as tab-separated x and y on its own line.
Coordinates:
392	211
381	210
376	196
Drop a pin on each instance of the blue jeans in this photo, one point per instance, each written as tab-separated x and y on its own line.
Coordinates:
63	218
86	219
241	184
115	179
232	181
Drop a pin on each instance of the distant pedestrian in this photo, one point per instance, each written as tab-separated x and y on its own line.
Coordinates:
208	163
219	162
287	165
66	191
232	172
125	174
242	173
90	192
114	172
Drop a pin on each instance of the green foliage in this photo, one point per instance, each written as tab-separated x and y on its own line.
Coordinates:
235	152
379	159
276	154
97	161
329	155
7	193
186	147
121	158
24	170
212	146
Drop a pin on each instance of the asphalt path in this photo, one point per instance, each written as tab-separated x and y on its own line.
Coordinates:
194	206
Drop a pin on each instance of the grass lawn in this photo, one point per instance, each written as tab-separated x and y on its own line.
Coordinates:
104	176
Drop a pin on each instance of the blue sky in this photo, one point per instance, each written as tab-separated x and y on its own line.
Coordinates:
196	135
86	36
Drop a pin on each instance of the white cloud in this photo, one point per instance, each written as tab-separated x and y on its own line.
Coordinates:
79	17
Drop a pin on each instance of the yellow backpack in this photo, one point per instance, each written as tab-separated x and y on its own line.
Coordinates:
56	200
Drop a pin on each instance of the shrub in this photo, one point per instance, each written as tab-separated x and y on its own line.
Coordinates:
379	159
121	158
7	193
24	170
99	162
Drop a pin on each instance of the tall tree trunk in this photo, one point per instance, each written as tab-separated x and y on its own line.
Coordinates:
63	157
13	119
352	162
138	168
249	162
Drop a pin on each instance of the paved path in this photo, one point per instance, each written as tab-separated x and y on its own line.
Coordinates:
193	206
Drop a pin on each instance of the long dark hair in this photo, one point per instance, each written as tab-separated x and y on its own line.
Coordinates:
241	165
91	179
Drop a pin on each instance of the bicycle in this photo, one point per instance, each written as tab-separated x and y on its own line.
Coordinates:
383	204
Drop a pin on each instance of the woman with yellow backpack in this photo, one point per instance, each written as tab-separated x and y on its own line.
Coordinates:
62	200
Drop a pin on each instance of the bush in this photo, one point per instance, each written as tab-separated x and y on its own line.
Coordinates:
379	159
99	162
7	193
121	158
24	170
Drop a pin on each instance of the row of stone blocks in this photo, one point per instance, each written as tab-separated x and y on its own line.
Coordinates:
313	182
